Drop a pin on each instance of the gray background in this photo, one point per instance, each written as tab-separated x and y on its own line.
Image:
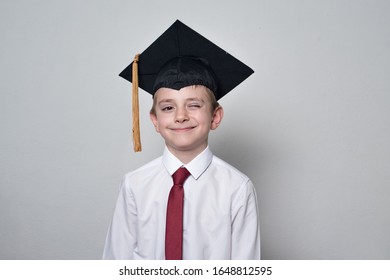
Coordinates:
311	127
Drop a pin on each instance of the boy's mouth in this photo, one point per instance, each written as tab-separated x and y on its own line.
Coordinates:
182	129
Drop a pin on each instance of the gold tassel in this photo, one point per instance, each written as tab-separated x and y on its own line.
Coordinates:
135	104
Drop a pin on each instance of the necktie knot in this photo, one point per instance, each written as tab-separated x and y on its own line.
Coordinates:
180	176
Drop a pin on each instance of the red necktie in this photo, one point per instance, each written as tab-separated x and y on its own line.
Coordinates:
174	226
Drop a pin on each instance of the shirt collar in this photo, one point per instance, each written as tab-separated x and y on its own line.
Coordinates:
196	166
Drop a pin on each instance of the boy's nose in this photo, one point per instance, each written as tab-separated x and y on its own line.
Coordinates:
181	115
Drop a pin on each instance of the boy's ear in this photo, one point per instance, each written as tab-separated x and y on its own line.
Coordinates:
217	117
153	118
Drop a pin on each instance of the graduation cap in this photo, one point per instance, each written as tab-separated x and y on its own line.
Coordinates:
182	57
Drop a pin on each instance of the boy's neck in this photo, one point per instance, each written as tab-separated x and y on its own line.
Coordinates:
187	156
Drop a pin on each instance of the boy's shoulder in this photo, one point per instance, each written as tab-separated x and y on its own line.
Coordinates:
228	169
145	170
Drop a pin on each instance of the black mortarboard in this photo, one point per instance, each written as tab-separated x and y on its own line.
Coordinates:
182	57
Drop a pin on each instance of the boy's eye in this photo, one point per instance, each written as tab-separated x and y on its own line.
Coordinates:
194	105
167	108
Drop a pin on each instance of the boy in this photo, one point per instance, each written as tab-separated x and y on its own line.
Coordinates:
187	204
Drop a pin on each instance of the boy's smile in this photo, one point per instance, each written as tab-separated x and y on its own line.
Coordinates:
184	118
184	129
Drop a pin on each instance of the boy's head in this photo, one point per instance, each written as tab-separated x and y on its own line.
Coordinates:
182	62
185	117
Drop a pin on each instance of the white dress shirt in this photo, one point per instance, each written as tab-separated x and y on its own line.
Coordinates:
220	218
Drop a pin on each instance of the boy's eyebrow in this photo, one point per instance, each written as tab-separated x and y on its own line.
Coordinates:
195	99
170	100
167	100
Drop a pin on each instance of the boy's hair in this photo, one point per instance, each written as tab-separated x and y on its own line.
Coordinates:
213	100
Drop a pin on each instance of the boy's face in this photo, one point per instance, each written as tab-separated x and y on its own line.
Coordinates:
184	118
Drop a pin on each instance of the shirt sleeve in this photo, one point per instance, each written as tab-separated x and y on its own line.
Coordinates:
122	233
245	225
